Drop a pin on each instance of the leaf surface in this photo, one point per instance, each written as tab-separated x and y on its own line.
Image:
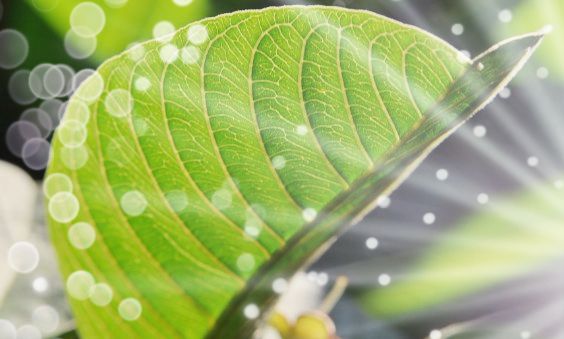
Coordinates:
234	153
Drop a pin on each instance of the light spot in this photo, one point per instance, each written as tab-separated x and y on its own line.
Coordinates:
168	53
301	130
278	162
91	85
136	52
383	201
182	3
163	30
72	133
36	83
222	199
371	243
101	294
7	329
23	257
198	34
133	203
559	184
18	87
252	231
178	200
54	81
40	284
322	279
482	198
119	103
505	16
435	334
35	153
46	319
525	335
542	73
14	48
246	262
505	93
130	309
429	218
457	29
87	19
251	311
77	111
74	158
442	174
279	285
28	332
141	126
384	279
116	3
63	207
81	235
479	131
533	161
79	284
142	84
55	183
190	55
309	214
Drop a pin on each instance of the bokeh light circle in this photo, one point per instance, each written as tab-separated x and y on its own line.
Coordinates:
35	153
87	19
23	257
18	87
18	134
14	48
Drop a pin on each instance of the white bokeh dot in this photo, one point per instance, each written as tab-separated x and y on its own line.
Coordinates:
483	198
279	285
119	103
133	203
130	309
533	161
87	19
23	257
384	279
435	334
79	284
278	162
479	131
81	235
309	214
251	311
505	15
14	48
63	207
371	243
46	319
429	218
442	174
40	284
197	34
169	53
457	29
182	3
246	262
101	294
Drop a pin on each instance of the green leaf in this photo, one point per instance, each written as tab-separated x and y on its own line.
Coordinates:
126	22
507	240
210	171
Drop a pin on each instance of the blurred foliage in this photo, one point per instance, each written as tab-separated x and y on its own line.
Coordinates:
505	241
125	24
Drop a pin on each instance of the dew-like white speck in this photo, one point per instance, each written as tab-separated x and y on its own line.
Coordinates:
198	34
78	111
163	30
505	93
130	309
483	198
133	203
279	162
301	129
251	311
87	19
525	334
182	3
119	103
542	73
457	29
222	199
505	16
101	294
384	279
79	284
435	334
142	84
40	284
479	131
190	55
16	43
442	174
279	285
23	257
429	218
533	161
81	235
46	319
116	3
63	207
169	53
322	279
371	243
384	201
309	214
55	183
246	262
92	85
136	52
178	200
74	158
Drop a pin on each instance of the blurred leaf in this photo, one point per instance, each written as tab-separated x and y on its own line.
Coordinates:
126	22
506	240
18	196
232	154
